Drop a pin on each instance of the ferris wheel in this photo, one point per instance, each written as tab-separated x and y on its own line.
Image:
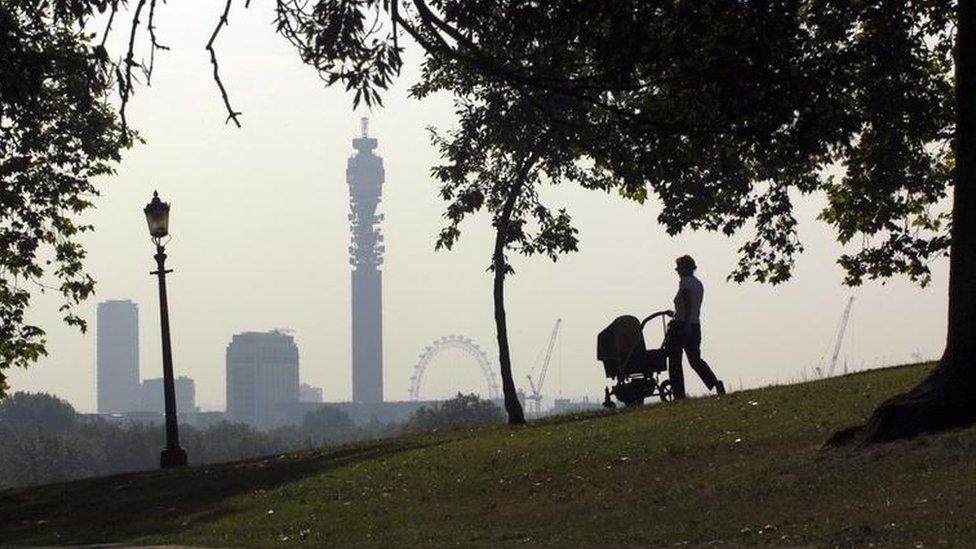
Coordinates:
461	343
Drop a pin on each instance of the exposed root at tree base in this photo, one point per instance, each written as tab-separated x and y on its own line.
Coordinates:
944	400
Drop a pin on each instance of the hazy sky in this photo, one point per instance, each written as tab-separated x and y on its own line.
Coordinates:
260	241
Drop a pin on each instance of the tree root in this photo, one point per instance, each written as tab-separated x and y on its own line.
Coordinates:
944	400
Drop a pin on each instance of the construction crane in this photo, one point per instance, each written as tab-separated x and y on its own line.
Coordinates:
536	396
840	336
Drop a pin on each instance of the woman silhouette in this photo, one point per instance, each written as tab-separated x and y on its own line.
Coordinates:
684	331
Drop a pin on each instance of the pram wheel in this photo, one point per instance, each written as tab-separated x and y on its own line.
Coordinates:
666	391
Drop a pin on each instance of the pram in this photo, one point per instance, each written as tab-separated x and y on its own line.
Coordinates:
627	360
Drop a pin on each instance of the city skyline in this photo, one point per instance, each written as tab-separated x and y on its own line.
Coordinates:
259	220
443	273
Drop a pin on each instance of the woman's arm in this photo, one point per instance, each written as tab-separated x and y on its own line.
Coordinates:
685	294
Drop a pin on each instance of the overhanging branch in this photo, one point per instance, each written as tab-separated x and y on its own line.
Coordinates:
231	113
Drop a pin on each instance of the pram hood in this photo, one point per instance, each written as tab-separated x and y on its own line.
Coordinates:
617	341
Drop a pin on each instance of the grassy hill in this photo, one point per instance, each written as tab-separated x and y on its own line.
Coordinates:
743	469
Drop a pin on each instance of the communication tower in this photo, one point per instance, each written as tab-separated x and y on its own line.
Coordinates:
364	174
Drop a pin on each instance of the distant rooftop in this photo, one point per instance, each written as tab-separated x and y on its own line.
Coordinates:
118	303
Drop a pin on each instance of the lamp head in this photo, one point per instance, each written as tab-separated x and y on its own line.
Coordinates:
157	216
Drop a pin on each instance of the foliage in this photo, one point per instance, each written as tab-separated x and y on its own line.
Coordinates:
724	121
33	456
340	42
460	411
42	439
30	454
328	424
233	441
57	133
38	410
498	159
722	111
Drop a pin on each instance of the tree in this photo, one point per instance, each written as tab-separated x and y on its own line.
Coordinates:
38	410
328	424
947	398
460	411
32	456
33	452
498	159
63	102
722	110
57	132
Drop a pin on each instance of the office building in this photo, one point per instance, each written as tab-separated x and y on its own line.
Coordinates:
152	396
307	393
262	379
117	363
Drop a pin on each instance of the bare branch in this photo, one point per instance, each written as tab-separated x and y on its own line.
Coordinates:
154	44
111	18
125	84
231	113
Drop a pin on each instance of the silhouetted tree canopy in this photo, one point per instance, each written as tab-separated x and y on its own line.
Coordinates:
57	133
328	424
37	410
724	111
460	411
43	439
498	159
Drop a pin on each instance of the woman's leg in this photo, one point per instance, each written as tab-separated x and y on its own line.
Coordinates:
675	345
693	349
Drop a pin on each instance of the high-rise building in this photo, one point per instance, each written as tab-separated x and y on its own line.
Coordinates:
307	393
152	396
262	379
117	369
364	175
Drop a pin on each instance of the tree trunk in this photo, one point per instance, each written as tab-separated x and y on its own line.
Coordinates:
947	398
512	405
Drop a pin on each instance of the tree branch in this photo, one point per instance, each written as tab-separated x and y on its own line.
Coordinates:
154	44
231	113
111	18
125	83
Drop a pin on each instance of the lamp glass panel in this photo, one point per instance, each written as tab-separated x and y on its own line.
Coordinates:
157	216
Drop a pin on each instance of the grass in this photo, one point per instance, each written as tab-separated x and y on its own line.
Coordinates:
744	469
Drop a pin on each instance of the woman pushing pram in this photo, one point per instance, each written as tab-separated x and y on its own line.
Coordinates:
684	331
636	369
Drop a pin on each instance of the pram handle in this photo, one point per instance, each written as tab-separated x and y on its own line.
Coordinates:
644	323
655	315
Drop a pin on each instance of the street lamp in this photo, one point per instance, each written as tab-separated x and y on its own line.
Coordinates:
157	216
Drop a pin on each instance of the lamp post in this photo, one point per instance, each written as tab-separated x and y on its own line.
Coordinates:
157	216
